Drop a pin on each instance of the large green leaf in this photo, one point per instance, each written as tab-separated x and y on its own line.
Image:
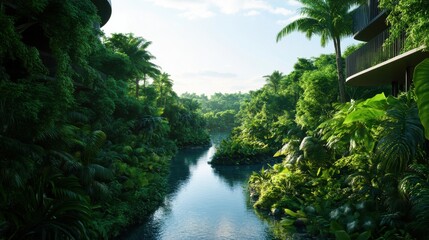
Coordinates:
342	235
364	115
378	101
364	236
371	109
421	82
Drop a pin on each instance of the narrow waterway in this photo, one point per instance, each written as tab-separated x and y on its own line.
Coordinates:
204	202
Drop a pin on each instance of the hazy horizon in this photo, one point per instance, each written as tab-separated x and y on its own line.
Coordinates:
214	46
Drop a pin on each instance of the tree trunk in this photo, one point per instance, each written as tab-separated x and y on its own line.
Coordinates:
144	85
137	88
340	70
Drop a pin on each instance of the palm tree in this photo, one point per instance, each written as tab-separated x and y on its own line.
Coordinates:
331	20
164	85
92	175
140	58
85	163
274	80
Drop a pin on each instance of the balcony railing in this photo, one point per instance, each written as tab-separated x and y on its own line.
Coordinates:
360	18
373	53
364	14
374	9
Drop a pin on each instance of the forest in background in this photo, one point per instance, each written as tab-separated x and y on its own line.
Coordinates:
89	124
220	109
350	170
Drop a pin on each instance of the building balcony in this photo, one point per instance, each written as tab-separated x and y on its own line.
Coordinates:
104	8
375	64
368	20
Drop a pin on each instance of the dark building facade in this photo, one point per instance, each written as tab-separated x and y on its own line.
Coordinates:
374	63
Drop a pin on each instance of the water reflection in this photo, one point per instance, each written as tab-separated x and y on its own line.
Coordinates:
204	202
235	175
180	169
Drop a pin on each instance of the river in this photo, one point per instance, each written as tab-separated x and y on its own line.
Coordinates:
204	202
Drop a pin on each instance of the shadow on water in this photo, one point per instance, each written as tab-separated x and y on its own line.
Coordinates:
204	202
180	172
235	175
180	168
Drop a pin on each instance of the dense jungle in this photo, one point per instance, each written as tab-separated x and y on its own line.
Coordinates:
89	125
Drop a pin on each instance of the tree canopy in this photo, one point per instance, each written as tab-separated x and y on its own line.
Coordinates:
331	20
84	153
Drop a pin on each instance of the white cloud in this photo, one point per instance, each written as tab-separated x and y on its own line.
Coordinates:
227	7
198	12
282	11
288	20
208	8
210	74
256	5
294	3
252	13
189	9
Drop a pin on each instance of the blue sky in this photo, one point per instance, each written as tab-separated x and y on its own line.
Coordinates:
210	46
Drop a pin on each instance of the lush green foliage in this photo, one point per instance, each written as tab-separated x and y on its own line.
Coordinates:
134	50
421	82
361	174
361	171
267	119
85	151
220	109
408	17
331	20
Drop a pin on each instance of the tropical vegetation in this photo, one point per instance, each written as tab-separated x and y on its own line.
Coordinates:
361	173
220	109
361	170
287	105
331	20
88	126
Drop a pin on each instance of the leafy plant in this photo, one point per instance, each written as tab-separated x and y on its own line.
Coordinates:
49	206
421	83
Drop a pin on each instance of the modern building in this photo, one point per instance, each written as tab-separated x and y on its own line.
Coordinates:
104	10
373	63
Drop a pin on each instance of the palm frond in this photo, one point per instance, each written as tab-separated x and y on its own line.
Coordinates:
302	24
415	186
101	173
329	19
63	160
50	206
99	190
93	145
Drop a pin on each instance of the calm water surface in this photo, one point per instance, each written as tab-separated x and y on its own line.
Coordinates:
204	202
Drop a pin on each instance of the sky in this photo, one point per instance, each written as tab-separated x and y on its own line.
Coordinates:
210	46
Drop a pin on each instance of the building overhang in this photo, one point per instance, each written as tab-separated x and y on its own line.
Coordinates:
375	26
104	8
392	70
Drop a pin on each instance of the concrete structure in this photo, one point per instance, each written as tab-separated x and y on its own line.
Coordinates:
104	10
373	64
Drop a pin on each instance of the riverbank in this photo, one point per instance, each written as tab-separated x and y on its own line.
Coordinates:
204	202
